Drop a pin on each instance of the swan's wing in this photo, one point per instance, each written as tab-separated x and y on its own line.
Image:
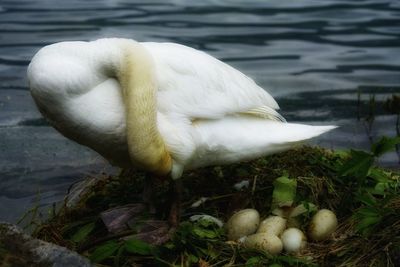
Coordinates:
196	85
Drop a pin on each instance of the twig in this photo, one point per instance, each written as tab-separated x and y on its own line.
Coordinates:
253	189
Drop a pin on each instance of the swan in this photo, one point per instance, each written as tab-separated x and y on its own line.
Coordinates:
164	108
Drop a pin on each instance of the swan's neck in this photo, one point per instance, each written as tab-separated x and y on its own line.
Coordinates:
137	79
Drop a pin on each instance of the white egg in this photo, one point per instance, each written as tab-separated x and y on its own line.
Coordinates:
273	225
322	225
243	223
264	241
293	240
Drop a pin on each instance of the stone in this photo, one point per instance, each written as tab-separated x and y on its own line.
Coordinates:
20	249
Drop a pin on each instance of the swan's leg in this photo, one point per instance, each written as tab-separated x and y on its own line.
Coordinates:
148	193
153	231
175	211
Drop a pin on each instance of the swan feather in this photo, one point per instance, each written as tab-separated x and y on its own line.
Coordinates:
205	111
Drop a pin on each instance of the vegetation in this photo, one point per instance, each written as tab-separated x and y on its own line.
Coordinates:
365	198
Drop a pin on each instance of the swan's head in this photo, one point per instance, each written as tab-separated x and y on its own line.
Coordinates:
164	166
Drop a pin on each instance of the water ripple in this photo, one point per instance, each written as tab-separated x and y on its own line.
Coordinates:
313	56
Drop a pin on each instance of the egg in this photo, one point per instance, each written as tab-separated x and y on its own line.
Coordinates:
273	225
322	225
264	241
293	240
243	223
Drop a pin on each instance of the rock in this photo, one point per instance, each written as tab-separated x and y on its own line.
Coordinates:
20	249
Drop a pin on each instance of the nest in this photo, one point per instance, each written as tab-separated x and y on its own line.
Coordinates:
358	241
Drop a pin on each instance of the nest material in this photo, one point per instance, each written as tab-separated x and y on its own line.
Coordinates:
317	183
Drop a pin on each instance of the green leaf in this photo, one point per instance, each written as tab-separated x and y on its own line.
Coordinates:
204	233
366	224
284	192
384	145
304	207
366	212
138	247
83	232
104	251
367	199
118	256
358	165
205	222
367	218
254	261
192	258
379	175
380	188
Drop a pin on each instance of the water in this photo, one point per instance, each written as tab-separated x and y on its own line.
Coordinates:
313	56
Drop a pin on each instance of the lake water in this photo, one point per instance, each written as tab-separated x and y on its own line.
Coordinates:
313	56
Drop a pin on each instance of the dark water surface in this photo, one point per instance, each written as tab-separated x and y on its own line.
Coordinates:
313	56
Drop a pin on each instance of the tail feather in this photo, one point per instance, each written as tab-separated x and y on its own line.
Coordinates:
234	139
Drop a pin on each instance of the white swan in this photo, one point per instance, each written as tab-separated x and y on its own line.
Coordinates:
162	107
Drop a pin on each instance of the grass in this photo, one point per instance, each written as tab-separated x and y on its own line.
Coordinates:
365	198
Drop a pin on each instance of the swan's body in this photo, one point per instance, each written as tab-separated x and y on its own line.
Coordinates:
193	111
